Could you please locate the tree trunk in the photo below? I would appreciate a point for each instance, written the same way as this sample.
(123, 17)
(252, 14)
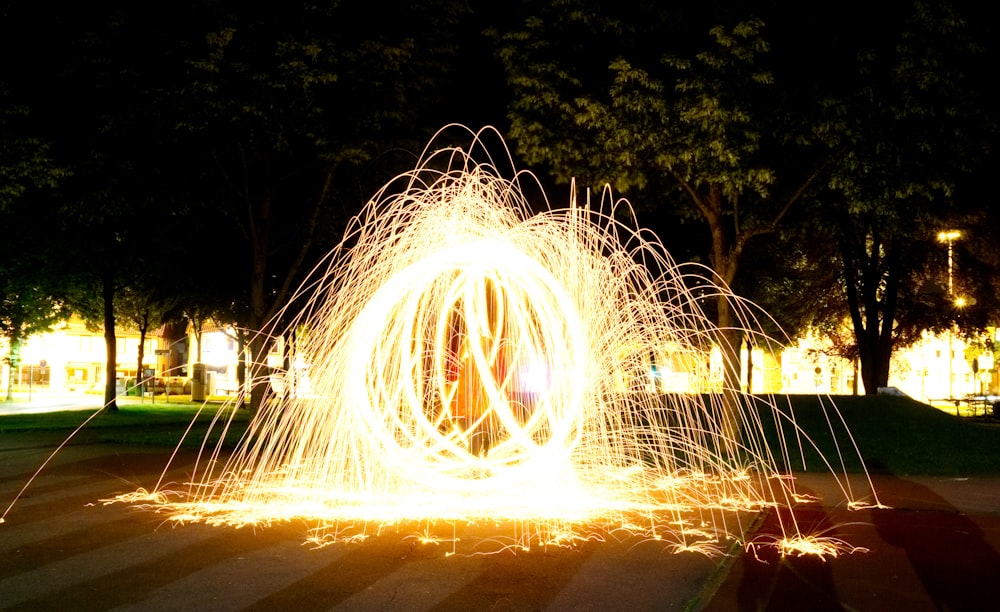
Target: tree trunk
(875, 368)
(12, 362)
(258, 371)
(260, 240)
(291, 381)
(871, 298)
(110, 342)
(264, 305)
(197, 373)
(730, 339)
(725, 261)
(241, 367)
(10, 383)
(875, 350)
(139, 373)
(143, 327)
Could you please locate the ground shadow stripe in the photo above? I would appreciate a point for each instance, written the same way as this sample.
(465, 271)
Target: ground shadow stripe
(240, 580)
(517, 582)
(363, 565)
(100, 529)
(62, 575)
(164, 558)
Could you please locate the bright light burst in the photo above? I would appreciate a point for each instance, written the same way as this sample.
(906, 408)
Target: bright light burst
(477, 364)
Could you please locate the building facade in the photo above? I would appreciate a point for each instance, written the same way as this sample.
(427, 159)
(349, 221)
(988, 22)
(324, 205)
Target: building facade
(72, 358)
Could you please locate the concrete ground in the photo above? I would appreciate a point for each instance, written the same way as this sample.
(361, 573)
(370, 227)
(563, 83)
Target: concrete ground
(48, 401)
(60, 548)
(935, 549)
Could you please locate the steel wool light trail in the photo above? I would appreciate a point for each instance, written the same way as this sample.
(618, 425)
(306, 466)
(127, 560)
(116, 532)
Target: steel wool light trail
(474, 363)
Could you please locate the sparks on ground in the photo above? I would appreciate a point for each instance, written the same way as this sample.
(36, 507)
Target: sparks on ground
(477, 359)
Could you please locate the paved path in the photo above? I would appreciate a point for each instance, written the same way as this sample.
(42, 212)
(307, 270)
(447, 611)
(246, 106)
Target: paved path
(936, 549)
(50, 402)
(59, 550)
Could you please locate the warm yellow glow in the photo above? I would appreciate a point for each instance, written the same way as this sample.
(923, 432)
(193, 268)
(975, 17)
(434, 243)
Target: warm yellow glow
(817, 546)
(960, 302)
(949, 235)
(477, 366)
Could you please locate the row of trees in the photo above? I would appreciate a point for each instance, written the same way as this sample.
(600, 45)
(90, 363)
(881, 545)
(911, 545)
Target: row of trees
(206, 155)
(196, 162)
(848, 144)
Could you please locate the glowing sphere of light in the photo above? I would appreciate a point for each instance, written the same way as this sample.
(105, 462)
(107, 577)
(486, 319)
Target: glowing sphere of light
(472, 357)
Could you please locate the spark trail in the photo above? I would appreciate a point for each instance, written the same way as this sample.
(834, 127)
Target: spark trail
(476, 362)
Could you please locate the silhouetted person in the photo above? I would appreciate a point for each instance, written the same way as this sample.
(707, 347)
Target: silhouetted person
(946, 549)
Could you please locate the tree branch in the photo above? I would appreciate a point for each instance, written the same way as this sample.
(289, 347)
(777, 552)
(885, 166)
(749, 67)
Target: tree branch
(307, 243)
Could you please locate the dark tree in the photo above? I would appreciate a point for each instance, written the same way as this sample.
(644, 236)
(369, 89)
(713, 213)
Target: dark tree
(696, 124)
(909, 133)
(291, 116)
(231, 138)
(31, 299)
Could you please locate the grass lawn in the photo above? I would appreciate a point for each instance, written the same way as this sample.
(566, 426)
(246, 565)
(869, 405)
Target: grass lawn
(898, 435)
(894, 434)
(148, 423)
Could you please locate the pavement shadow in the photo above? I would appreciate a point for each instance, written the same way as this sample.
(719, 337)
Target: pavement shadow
(770, 581)
(959, 569)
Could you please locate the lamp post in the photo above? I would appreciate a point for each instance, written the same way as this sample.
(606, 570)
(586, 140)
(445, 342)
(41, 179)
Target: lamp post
(948, 237)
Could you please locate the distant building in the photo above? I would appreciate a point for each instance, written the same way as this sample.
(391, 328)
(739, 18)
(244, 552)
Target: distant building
(218, 350)
(936, 367)
(71, 358)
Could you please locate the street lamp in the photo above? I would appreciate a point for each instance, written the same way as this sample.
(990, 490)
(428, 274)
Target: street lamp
(950, 236)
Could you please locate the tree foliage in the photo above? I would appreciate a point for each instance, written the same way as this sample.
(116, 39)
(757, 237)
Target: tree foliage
(908, 134)
(25, 159)
(688, 123)
(217, 148)
(856, 136)
(231, 139)
(32, 299)
(279, 113)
